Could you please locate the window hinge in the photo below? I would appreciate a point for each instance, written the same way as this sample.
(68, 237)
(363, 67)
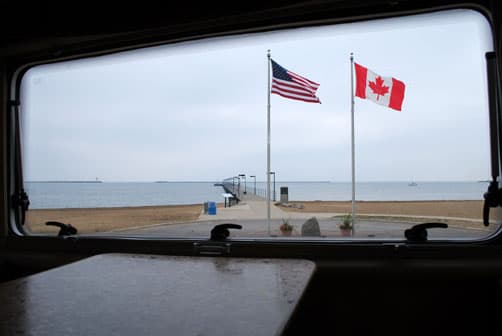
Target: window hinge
(21, 201)
(493, 199)
(14, 102)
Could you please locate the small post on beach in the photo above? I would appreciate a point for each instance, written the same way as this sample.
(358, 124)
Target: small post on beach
(268, 144)
(352, 142)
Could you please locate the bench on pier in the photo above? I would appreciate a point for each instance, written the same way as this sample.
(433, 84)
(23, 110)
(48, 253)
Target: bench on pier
(229, 197)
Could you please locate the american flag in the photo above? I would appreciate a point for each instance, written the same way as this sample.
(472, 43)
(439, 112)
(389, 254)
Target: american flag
(287, 84)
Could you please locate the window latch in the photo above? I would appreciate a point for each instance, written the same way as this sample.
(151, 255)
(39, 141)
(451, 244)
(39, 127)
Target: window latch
(418, 233)
(493, 199)
(64, 229)
(221, 232)
(21, 201)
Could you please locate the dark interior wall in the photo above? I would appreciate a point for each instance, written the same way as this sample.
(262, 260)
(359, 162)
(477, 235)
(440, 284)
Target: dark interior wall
(355, 297)
(377, 304)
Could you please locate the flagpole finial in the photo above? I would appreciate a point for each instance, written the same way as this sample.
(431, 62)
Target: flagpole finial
(268, 53)
(351, 56)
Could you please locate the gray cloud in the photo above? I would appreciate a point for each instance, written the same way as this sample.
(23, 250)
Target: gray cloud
(197, 111)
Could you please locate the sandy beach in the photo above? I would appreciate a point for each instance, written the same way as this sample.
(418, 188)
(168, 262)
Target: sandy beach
(459, 209)
(107, 219)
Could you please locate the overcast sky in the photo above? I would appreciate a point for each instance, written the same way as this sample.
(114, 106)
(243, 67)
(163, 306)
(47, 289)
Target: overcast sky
(197, 110)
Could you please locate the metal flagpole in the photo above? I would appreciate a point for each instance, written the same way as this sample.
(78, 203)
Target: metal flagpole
(353, 146)
(268, 145)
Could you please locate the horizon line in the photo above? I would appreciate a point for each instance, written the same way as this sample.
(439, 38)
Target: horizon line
(247, 181)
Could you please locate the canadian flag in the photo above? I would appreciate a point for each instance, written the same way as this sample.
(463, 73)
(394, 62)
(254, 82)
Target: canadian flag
(386, 91)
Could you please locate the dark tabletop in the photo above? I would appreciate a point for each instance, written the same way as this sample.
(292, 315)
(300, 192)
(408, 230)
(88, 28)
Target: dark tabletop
(121, 294)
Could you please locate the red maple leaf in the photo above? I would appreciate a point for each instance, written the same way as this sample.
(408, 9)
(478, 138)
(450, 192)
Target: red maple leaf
(378, 88)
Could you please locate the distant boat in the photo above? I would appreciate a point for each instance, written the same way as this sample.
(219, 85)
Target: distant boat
(412, 184)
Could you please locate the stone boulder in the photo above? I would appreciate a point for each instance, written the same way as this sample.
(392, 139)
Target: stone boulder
(311, 228)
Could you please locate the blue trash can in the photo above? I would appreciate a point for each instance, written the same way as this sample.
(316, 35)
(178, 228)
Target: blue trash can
(211, 208)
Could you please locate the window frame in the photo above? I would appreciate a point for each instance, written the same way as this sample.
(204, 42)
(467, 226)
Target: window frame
(137, 41)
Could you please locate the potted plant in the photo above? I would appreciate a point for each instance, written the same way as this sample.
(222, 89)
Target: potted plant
(346, 225)
(286, 228)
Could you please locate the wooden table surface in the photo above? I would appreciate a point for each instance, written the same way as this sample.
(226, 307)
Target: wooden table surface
(127, 294)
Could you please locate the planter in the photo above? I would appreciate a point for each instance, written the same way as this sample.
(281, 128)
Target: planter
(346, 232)
(286, 233)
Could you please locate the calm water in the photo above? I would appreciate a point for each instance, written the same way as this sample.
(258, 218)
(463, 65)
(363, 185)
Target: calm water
(90, 195)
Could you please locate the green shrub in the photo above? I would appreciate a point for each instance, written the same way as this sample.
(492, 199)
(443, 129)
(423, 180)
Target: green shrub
(346, 223)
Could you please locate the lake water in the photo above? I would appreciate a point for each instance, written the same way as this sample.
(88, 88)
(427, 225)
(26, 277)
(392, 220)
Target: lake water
(90, 195)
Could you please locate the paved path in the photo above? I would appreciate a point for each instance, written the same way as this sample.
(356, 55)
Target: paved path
(251, 213)
(246, 209)
(252, 217)
(329, 229)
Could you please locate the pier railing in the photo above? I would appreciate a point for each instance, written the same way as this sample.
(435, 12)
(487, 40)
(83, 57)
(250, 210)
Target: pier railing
(233, 185)
(260, 192)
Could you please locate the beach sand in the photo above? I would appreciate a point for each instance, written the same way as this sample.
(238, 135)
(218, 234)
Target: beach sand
(460, 209)
(107, 219)
(460, 214)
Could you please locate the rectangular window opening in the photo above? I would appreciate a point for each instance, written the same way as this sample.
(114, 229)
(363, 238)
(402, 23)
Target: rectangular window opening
(170, 141)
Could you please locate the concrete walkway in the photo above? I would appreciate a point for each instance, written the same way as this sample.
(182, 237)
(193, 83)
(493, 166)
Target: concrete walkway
(252, 207)
(246, 210)
(365, 229)
(251, 213)
(255, 208)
